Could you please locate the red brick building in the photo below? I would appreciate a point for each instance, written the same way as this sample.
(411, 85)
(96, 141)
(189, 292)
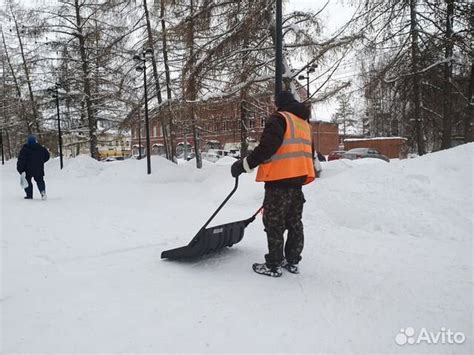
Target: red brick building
(325, 136)
(219, 125)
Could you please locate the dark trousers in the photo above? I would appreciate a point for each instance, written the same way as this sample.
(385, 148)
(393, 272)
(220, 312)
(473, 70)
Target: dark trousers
(282, 210)
(39, 182)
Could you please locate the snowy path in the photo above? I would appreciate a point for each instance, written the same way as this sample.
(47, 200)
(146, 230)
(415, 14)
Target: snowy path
(387, 246)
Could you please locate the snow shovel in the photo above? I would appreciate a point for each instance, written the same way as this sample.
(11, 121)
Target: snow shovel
(209, 240)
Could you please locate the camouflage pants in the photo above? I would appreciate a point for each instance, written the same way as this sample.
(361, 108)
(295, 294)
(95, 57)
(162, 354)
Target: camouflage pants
(283, 209)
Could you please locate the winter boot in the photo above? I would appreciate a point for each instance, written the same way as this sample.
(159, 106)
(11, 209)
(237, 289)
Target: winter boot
(43, 195)
(263, 269)
(293, 268)
(28, 197)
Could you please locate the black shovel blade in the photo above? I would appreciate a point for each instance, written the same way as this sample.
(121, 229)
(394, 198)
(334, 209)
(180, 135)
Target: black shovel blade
(209, 240)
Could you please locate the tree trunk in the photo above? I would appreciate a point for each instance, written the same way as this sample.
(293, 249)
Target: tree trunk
(4, 107)
(243, 105)
(243, 124)
(96, 84)
(447, 111)
(17, 86)
(65, 85)
(34, 109)
(191, 90)
(92, 122)
(469, 113)
(9, 146)
(151, 45)
(168, 81)
(416, 78)
(4, 97)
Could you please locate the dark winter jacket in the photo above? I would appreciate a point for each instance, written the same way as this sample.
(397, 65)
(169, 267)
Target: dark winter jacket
(272, 138)
(31, 159)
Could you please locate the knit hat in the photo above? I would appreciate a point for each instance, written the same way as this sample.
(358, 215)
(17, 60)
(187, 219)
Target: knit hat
(31, 139)
(284, 98)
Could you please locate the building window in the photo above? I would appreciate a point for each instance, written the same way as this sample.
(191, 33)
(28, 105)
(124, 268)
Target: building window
(161, 131)
(154, 131)
(251, 123)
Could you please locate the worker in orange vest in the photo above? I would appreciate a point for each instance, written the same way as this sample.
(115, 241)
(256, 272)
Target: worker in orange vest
(285, 163)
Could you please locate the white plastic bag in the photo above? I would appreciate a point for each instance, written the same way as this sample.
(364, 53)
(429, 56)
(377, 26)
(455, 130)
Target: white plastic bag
(23, 182)
(318, 166)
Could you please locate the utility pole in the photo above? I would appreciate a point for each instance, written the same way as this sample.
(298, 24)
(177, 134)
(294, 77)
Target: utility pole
(1, 143)
(142, 59)
(279, 48)
(139, 136)
(60, 136)
(147, 124)
(54, 91)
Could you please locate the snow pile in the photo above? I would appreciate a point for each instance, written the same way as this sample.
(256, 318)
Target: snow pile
(388, 246)
(226, 161)
(409, 196)
(81, 166)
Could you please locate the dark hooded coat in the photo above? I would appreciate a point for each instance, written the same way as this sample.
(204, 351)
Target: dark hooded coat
(31, 160)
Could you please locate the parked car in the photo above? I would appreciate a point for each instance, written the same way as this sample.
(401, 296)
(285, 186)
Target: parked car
(214, 155)
(190, 156)
(335, 155)
(113, 158)
(220, 152)
(234, 153)
(321, 157)
(360, 153)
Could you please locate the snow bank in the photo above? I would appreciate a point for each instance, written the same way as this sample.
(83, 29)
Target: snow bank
(80, 166)
(226, 161)
(387, 246)
(407, 196)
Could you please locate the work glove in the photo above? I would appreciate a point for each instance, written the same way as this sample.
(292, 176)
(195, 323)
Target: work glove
(237, 168)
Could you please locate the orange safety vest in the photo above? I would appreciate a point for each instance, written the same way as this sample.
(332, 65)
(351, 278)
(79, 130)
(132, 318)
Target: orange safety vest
(294, 158)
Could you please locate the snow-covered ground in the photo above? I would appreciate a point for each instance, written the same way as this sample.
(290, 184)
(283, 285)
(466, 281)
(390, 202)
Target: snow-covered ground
(388, 246)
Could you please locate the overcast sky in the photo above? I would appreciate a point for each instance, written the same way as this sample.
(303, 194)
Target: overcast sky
(336, 14)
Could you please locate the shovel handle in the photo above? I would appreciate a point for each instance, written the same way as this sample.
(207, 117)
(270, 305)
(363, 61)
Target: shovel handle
(223, 203)
(251, 219)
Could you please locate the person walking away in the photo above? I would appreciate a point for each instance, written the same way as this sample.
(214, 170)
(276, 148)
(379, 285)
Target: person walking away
(284, 158)
(31, 162)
